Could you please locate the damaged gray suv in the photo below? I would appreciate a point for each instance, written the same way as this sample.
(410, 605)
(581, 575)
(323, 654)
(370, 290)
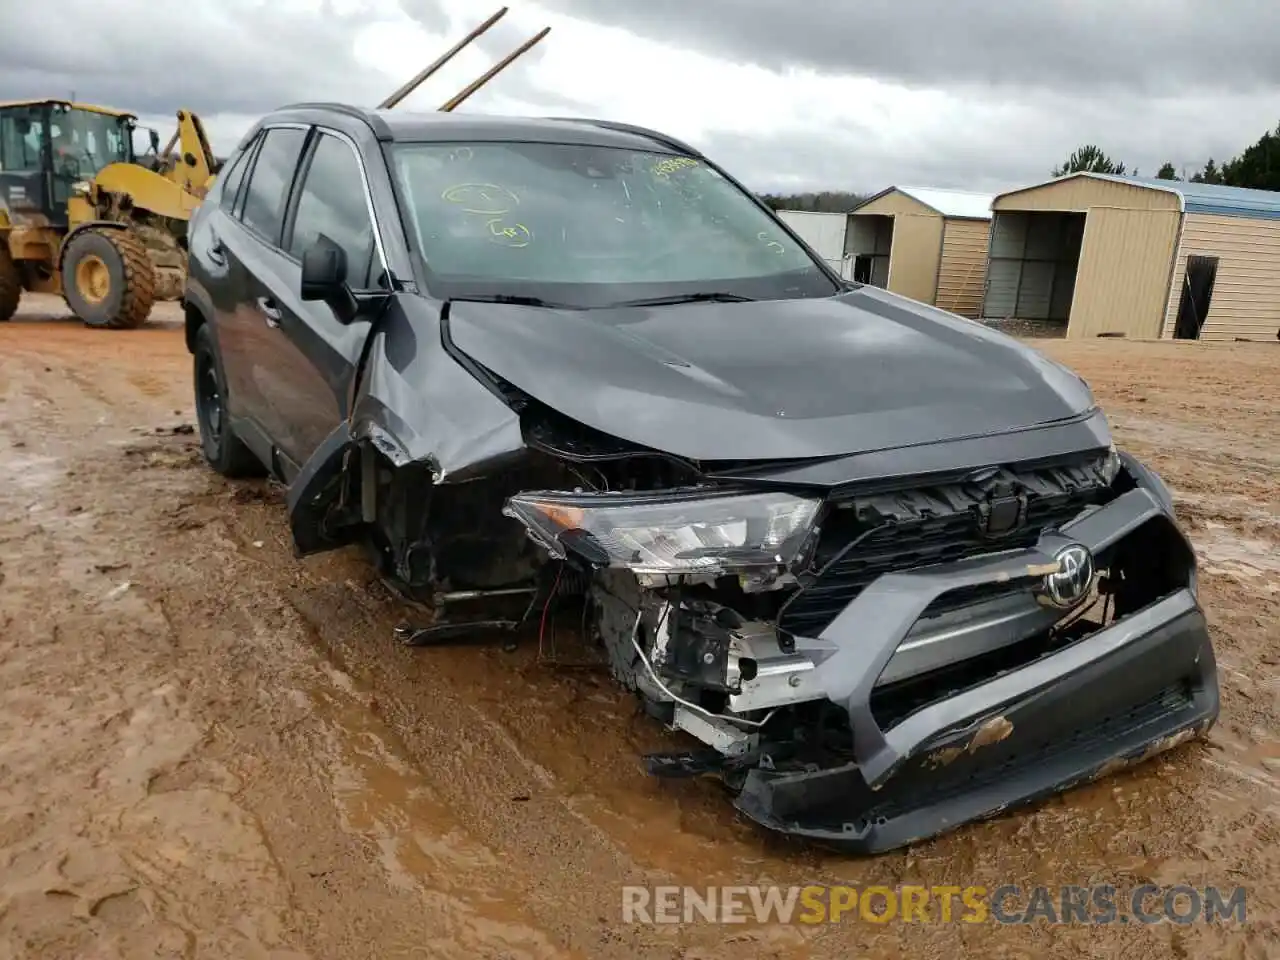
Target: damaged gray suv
(883, 564)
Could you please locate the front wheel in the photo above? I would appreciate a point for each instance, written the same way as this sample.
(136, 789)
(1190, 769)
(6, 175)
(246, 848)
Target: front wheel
(107, 278)
(223, 450)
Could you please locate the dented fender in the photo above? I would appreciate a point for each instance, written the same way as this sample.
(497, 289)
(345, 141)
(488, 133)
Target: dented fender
(416, 403)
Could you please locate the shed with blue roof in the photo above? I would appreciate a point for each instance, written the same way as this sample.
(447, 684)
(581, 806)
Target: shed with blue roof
(1125, 256)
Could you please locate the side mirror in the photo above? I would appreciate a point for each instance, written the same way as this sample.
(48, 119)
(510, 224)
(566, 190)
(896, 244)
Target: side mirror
(324, 277)
(155, 141)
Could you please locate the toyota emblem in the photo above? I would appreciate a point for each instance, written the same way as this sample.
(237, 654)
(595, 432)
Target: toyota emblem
(1073, 579)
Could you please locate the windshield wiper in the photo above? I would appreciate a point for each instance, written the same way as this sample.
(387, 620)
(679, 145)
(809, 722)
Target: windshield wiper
(518, 299)
(712, 296)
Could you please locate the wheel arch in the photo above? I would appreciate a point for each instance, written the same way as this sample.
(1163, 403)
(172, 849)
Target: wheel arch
(193, 318)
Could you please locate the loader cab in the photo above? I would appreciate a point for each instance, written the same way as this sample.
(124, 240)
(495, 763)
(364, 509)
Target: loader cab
(46, 147)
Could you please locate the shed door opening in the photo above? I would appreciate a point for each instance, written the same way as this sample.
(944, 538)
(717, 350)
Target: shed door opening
(1197, 291)
(1032, 271)
(870, 242)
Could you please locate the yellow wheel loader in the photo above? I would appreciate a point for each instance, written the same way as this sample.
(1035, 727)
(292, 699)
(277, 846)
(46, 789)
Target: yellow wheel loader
(83, 214)
(86, 215)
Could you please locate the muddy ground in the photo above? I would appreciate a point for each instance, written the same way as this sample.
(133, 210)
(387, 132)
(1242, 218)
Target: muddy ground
(211, 749)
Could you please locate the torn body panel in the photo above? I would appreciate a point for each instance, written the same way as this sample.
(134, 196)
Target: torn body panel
(909, 672)
(417, 420)
(416, 403)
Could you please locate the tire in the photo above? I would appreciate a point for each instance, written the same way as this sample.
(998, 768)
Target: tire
(223, 450)
(10, 284)
(107, 278)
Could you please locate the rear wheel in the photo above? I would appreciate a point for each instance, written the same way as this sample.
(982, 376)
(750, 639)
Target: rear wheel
(107, 278)
(223, 450)
(10, 285)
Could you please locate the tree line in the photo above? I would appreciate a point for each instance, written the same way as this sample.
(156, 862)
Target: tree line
(1258, 167)
(824, 201)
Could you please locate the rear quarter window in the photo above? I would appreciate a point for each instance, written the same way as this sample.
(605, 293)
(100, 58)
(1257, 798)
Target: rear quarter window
(233, 175)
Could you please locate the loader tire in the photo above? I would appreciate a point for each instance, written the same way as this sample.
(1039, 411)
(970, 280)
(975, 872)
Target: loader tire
(10, 286)
(107, 278)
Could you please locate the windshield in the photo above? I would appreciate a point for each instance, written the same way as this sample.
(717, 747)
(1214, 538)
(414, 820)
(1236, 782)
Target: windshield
(87, 141)
(592, 226)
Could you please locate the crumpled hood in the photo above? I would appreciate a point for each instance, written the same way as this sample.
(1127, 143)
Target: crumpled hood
(864, 371)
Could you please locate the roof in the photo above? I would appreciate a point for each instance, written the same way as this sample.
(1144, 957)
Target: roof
(91, 107)
(1211, 198)
(443, 127)
(961, 204)
(1214, 197)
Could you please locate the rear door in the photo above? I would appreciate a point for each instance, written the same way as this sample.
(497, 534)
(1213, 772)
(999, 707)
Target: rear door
(311, 356)
(249, 241)
(214, 278)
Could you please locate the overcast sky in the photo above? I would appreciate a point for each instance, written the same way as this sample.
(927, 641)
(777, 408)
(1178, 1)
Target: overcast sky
(787, 94)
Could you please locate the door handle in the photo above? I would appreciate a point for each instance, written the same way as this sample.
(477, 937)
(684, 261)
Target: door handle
(269, 310)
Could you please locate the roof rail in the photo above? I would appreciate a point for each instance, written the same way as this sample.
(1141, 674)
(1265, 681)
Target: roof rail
(371, 119)
(632, 128)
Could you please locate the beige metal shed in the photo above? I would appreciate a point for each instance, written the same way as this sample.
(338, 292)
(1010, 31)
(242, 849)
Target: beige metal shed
(1121, 256)
(930, 245)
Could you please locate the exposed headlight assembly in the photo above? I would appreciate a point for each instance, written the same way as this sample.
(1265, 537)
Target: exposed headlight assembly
(672, 533)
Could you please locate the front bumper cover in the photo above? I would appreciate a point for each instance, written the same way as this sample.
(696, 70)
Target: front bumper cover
(1115, 697)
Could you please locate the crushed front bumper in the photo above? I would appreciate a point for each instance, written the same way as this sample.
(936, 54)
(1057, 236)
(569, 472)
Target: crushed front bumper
(1138, 686)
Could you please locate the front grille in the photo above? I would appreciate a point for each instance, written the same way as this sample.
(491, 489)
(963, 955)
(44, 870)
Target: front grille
(863, 540)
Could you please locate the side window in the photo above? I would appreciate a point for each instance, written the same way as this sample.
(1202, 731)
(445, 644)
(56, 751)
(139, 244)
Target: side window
(233, 175)
(332, 202)
(21, 137)
(269, 182)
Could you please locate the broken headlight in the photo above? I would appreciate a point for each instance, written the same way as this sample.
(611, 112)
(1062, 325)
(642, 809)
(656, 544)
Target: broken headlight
(672, 533)
(1111, 465)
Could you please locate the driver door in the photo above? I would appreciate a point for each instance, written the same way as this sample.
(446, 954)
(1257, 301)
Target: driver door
(311, 355)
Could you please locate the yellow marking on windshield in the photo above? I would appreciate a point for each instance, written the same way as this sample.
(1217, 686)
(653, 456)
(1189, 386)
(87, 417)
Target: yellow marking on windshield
(515, 235)
(774, 245)
(664, 168)
(487, 198)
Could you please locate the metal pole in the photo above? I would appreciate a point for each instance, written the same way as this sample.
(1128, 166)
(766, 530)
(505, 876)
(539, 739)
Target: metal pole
(492, 72)
(413, 84)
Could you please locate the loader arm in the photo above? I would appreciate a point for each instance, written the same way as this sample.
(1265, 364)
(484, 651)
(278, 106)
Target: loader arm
(194, 166)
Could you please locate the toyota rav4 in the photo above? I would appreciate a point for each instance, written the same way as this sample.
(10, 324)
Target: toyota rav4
(884, 565)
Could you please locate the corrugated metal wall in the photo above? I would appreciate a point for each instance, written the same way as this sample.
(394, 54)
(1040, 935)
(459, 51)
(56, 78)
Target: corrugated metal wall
(917, 244)
(1032, 267)
(963, 271)
(1246, 292)
(917, 248)
(1123, 281)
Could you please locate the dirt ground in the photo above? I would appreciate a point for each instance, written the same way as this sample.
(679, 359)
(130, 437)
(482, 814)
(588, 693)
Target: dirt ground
(211, 749)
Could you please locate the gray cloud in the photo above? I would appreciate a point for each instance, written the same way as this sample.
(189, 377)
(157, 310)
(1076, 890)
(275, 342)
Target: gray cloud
(1149, 82)
(152, 58)
(1078, 45)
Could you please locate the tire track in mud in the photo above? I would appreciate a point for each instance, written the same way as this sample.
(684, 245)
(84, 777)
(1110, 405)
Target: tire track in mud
(231, 756)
